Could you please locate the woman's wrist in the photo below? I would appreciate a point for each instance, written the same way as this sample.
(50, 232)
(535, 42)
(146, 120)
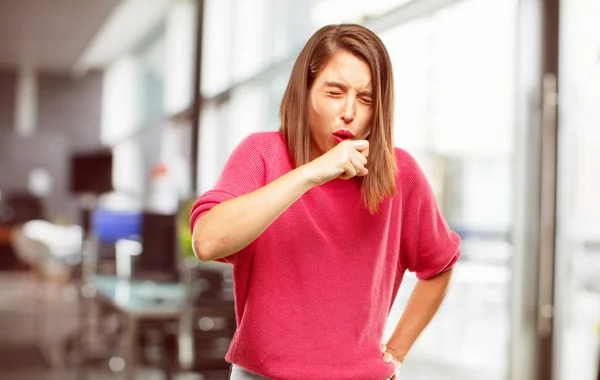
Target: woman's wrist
(308, 175)
(397, 355)
(394, 354)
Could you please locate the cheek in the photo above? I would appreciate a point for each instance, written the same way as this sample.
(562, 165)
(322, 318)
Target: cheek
(326, 109)
(366, 118)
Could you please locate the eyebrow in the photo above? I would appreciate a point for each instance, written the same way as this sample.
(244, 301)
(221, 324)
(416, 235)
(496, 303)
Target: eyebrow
(343, 86)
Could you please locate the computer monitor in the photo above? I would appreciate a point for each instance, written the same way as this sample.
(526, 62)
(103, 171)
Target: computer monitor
(91, 172)
(159, 252)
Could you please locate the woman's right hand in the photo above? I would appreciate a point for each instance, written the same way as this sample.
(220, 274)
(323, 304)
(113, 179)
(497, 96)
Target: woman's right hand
(348, 159)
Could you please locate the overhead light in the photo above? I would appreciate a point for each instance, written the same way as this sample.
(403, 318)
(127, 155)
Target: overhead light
(26, 106)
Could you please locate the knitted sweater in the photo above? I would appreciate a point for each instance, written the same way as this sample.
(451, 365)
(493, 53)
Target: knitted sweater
(314, 290)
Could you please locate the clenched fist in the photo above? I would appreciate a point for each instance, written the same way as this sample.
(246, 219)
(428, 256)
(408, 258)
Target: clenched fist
(348, 159)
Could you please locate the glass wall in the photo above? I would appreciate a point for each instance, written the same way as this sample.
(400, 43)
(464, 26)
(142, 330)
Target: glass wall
(248, 52)
(454, 74)
(146, 96)
(577, 284)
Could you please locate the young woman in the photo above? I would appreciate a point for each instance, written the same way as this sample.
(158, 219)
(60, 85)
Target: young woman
(321, 220)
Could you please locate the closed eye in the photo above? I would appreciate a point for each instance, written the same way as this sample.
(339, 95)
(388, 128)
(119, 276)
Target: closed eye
(334, 93)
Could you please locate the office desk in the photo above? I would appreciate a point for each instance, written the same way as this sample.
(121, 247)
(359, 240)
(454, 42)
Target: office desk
(138, 300)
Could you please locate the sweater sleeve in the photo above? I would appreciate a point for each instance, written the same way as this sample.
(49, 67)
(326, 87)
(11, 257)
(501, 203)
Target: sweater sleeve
(244, 172)
(428, 245)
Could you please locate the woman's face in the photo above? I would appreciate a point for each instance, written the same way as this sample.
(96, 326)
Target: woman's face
(339, 103)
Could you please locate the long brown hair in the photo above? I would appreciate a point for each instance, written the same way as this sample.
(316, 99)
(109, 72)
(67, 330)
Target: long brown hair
(364, 44)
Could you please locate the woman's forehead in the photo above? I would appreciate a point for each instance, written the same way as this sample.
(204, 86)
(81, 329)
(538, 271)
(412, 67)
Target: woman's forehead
(345, 68)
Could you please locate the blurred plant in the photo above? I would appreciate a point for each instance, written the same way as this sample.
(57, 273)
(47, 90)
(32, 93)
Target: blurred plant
(184, 234)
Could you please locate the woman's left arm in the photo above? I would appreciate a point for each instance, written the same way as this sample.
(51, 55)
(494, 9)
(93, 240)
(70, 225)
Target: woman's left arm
(428, 248)
(424, 302)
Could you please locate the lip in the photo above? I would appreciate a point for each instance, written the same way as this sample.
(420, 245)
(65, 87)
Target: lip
(339, 139)
(344, 134)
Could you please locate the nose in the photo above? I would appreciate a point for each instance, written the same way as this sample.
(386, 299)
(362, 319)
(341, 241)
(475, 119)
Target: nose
(348, 112)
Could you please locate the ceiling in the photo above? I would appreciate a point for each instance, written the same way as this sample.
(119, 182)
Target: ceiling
(49, 34)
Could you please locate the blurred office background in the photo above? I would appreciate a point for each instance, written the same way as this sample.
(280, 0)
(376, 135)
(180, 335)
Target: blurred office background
(115, 114)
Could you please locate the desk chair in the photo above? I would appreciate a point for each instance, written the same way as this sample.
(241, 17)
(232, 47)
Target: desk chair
(54, 254)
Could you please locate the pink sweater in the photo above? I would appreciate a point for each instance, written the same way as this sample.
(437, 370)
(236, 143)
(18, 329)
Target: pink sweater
(313, 292)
